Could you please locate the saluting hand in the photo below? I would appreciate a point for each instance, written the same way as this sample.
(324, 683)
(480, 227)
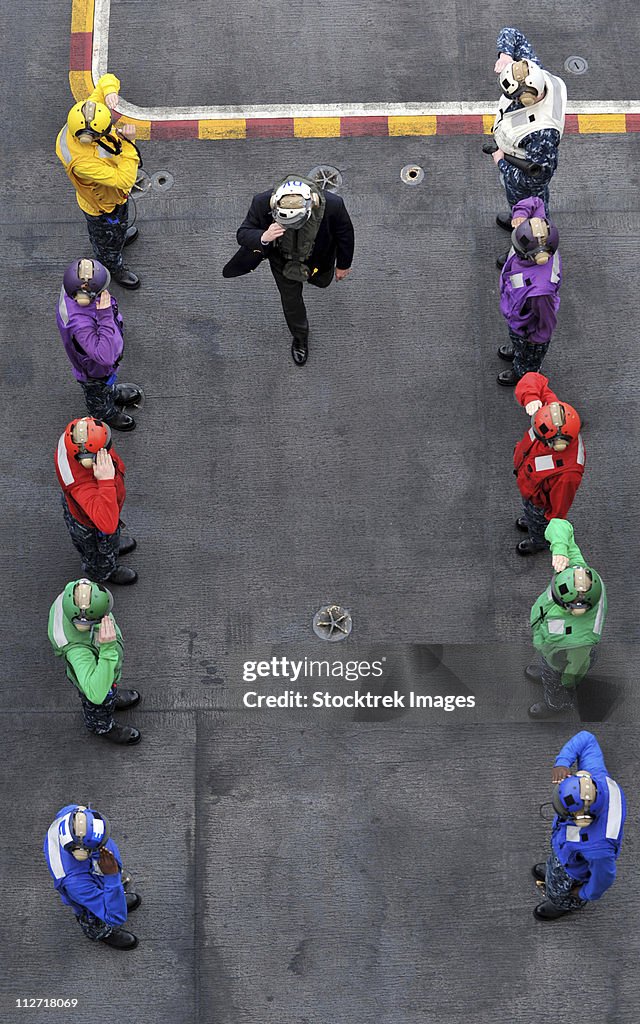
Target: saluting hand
(107, 631)
(103, 467)
(559, 773)
(532, 407)
(501, 63)
(107, 862)
(111, 100)
(104, 300)
(273, 231)
(559, 562)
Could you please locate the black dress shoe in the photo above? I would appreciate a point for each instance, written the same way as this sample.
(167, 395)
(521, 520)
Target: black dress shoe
(126, 279)
(123, 576)
(539, 871)
(508, 378)
(121, 939)
(506, 352)
(133, 902)
(548, 911)
(504, 222)
(501, 260)
(131, 235)
(127, 544)
(127, 394)
(527, 547)
(299, 351)
(121, 421)
(521, 524)
(533, 673)
(126, 699)
(540, 710)
(124, 734)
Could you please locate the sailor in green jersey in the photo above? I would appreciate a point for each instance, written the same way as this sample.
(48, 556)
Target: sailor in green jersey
(566, 623)
(82, 630)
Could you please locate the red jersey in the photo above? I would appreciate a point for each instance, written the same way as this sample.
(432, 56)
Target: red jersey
(548, 479)
(94, 503)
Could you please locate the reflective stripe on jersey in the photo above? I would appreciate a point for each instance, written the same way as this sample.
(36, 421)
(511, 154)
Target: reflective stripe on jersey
(597, 625)
(555, 268)
(556, 626)
(63, 462)
(64, 145)
(53, 849)
(58, 628)
(614, 816)
(580, 454)
(543, 462)
(62, 307)
(517, 280)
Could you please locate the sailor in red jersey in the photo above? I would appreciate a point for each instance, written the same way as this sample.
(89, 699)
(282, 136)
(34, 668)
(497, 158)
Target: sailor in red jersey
(548, 463)
(91, 475)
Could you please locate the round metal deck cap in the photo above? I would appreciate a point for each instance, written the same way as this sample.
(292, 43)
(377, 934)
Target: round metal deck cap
(326, 177)
(412, 174)
(332, 623)
(576, 65)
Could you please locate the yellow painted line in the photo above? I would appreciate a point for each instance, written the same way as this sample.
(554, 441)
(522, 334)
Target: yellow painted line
(82, 16)
(487, 123)
(602, 123)
(221, 129)
(81, 84)
(419, 125)
(316, 127)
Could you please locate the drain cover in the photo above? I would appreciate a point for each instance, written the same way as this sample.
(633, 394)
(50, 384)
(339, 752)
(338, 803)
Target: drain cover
(332, 623)
(576, 65)
(412, 174)
(141, 185)
(327, 177)
(162, 181)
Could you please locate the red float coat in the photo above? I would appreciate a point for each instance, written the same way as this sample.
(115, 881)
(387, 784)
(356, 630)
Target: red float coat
(94, 503)
(548, 479)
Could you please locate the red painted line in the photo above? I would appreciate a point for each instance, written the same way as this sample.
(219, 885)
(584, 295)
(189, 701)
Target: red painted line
(633, 122)
(459, 124)
(352, 126)
(571, 124)
(269, 128)
(174, 129)
(80, 49)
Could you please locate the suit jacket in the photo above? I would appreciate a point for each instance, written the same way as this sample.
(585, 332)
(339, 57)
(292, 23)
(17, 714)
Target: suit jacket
(334, 242)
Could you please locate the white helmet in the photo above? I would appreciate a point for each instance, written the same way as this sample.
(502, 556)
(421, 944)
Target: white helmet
(523, 80)
(292, 202)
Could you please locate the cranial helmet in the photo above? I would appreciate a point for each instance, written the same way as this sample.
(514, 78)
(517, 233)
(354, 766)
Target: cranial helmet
(292, 203)
(573, 797)
(556, 425)
(522, 80)
(85, 603)
(84, 280)
(89, 121)
(535, 239)
(577, 589)
(83, 439)
(83, 831)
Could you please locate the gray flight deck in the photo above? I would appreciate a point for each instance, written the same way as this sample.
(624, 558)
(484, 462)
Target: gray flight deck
(303, 866)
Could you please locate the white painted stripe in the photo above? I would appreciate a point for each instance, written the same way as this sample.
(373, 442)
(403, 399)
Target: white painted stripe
(614, 817)
(59, 634)
(597, 626)
(580, 455)
(53, 849)
(63, 462)
(100, 62)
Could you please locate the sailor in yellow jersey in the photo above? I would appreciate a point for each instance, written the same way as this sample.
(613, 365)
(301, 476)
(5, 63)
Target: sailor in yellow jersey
(102, 163)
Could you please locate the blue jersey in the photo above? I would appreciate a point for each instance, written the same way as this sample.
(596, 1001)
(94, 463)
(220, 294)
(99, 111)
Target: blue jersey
(589, 854)
(80, 883)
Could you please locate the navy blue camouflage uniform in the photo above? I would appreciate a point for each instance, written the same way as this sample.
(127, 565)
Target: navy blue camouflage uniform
(107, 236)
(541, 147)
(99, 551)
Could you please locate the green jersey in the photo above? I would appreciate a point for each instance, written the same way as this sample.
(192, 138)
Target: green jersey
(91, 666)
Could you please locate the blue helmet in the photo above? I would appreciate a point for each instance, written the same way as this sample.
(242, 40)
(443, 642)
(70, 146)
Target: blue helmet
(83, 831)
(573, 797)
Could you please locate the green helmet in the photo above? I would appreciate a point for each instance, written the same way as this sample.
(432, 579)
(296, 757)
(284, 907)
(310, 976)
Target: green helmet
(577, 588)
(84, 603)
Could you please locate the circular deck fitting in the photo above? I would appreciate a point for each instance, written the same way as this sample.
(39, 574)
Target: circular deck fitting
(141, 185)
(162, 181)
(332, 623)
(576, 65)
(326, 177)
(412, 174)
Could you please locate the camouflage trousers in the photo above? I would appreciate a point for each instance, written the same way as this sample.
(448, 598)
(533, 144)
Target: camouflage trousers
(99, 397)
(528, 355)
(99, 551)
(92, 926)
(557, 696)
(537, 523)
(515, 193)
(106, 234)
(98, 718)
(558, 885)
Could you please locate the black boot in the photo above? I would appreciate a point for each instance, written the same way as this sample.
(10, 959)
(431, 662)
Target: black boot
(521, 524)
(123, 576)
(539, 871)
(126, 279)
(133, 902)
(131, 235)
(127, 544)
(540, 711)
(533, 673)
(121, 939)
(527, 547)
(124, 734)
(501, 260)
(506, 352)
(504, 222)
(548, 911)
(126, 699)
(121, 421)
(127, 394)
(508, 378)
(299, 351)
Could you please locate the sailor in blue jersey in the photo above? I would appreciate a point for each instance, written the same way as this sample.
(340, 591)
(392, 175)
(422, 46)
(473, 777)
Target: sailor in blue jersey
(86, 868)
(587, 830)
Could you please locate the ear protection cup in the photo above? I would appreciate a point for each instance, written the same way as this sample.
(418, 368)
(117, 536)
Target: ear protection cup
(83, 298)
(528, 97)
(272, 201)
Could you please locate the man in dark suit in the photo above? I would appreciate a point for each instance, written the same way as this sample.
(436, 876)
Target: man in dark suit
(307, 235)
